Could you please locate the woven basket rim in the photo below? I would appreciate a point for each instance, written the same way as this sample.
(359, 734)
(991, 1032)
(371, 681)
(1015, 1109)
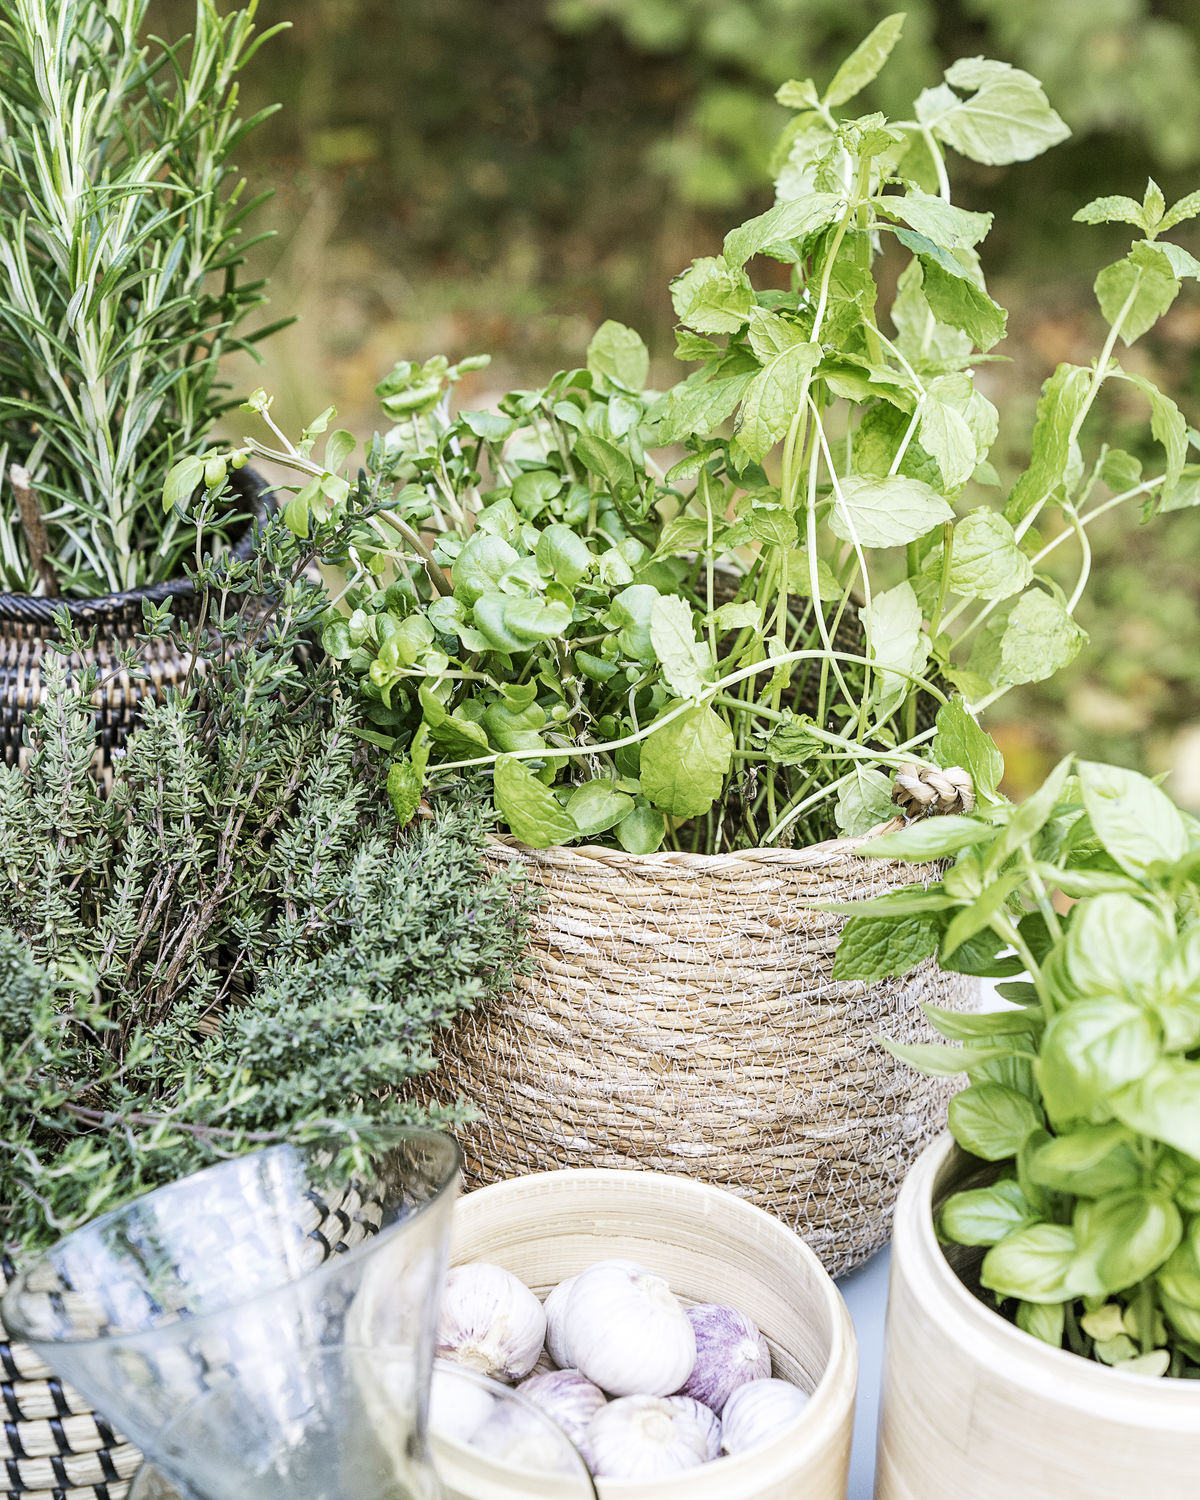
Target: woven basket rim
(40, 609)
(811, 856)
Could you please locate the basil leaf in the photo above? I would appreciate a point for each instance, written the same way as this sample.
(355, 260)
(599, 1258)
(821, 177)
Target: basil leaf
(1124, 1237)
(1087, 1163)
(1136, 822)
(959, 741)
(932, 838)
(992, 1121)
(888, 512)
(1089, 1051)
(1036, 1263)
(530, 809)
(684, 764)
(984, 1216)
(943, 1061)
(404, 784)
(1164, 1104)
(1045, 1321)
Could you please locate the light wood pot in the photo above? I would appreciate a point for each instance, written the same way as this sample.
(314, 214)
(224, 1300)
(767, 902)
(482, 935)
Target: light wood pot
(974, 1407)
(710, 1247)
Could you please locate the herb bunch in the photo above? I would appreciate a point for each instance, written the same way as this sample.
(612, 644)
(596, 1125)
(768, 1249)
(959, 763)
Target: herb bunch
(732, 647)
(237, 943)
(121, 281)
(1085, 1094)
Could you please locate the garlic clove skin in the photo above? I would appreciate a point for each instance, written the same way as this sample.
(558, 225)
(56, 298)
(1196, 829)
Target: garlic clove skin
(705, 1419)
(491, 1322)
(643, 1437)
(729, 1352)
(567, 1397)
(627, 1331)
(555, 1308)
(758, 1411)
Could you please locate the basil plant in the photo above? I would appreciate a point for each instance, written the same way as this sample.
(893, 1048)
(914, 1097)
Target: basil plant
(1084, 1094)
(721, 615)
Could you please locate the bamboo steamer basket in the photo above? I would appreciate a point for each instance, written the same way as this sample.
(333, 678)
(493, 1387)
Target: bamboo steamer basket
(710, 1247)
(973, 1406)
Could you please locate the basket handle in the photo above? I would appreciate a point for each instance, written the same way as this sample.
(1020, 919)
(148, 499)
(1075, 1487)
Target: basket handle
(927, 792)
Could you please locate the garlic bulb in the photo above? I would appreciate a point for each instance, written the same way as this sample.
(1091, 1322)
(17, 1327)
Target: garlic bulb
(706, 1419)
(627, 1331)
(457, 1407)
(490, 1321)
(729, 1352)
(566, 1396)
(521, 1439)
(643, 1437)
(757, 1411)
(555, 1308)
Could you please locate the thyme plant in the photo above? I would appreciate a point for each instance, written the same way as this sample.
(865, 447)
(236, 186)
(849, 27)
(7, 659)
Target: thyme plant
(121, 280)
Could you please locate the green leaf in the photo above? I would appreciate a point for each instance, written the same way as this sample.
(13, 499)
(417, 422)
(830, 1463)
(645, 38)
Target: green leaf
(1039, 639)
(1165, 1104)
(630, 615)
(1045, 1321)
(1136, 822)
(798, 93)
(984, 1216)
(992, 1121)
(530, 809)
(1116, 945)
(930, 839)
(1089, 1051)
(1124, 1237)
(596, 806)
(182, 482)
(889, 512)
(607, 461)
(685, 762)
(1183, 494)
(952, 294)
(713, 296)
(618, 355)
(944, 1061)
(688, 409)
(975, 1025)
(512, 624)
(936, 219)
(1088, 1162)
(1141, 288)
(1054, 462)
(339, 449)
(1187, 208)
(735, 616)
(1007, 118)
(1036, 1263)
(945, 435)
(479, 567)
(296, 512)
(563, 554)
(793, 219)
(1115, 209)
(404, 783)
(864, 62)
(985, 559)
(641, 831)
(1167, 423)
(774, 397)
(960, 741)
(892, 622)
(686, 664)
(863, 803)
(873, 948)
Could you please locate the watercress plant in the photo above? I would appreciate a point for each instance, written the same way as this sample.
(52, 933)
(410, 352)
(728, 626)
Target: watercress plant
(719, 615)
(1086, 1094)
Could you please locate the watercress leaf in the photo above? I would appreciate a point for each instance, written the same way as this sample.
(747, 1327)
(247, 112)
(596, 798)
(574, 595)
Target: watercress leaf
(1089, 1051)
(296, 513)
(481, 565)
(515, 624)
(685, 762)
(404, 783)
(864, 802)
(1165, 1104)
(489, 425)
(563, 554)
(936, 219)
(944, 1061)
(774, 397)
(618, 355)
(641, 831)
(896, 643)
(945, 435)
(932, 838)
(1135, 821)
(889, 512)
(1036, 1263)
(985, 559)
(959, 741)
(1045, 1321)
(530, 809)
(1138, 290)
(685, 663)
(1088, 1162)
(738, 616)
(532, 489)
(991, 1121)
(793, 219)
(1054, 461)
(714, 295)
(1124, 1237)
(1007, 118)
(864, 62)
(630, 614)
(984, 1216)
(1039, 639)
(607, 461)
(688, 408)
(596, 806)
(873, 948)
(1113, 209)
(1167, 423)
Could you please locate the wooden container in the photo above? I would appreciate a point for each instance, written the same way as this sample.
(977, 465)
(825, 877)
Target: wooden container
(974, 1407)
(710, 1247)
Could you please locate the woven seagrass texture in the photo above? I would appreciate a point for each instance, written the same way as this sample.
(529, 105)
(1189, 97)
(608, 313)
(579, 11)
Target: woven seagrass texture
(27, 628)
(681, 1017)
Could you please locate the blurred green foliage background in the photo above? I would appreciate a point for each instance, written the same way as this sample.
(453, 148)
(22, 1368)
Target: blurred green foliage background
(460, 176)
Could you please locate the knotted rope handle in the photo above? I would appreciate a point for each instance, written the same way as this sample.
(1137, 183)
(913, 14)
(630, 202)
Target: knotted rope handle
(921, 792)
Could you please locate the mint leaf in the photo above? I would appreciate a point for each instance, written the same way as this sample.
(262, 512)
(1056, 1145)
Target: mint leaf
(798, 93)
(959, 741)
(530, 809)
(773, 398)
(1138, 289)
(1167, 423)
(1115, 209)
(945, 435)
(864, 62)
(873, 948)
(713, 296)
(1008, 117)
(936, 219)
(1040, 638)
(701, 408)
(1186, 208)
(888, 512)
(618, 355)
(985, 560)
(684, 764)
(794, 219)
(955, 299)
(1054, 461)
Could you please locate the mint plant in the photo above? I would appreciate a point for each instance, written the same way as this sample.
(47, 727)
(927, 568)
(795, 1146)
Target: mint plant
(721, 615)
(1085, 1094)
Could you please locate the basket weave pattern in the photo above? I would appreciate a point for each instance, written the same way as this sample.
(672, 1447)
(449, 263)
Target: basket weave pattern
(680, 1017)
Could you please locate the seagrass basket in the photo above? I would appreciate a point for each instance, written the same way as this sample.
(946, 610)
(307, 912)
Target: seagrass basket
(27, 628)
(679, 1016)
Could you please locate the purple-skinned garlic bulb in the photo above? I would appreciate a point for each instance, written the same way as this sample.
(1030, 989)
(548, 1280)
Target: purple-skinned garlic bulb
(567, 1397)
(706, 1420)
(729, 1352)
(490, 1321)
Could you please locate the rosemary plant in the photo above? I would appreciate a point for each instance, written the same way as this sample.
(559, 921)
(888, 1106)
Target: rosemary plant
(121, 281)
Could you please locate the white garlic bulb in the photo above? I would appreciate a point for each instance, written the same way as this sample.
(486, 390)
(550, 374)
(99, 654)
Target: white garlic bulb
(490, 1321)
(643, 1437)
(627, 1331)
(729, 1352)
(705, 1418)
(566, 1396)
(757, 1411)
(458, 1408)
(555, 1308)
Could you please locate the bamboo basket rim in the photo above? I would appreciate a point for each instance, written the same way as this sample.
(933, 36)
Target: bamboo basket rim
(971, 1322)
(841, 1364)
